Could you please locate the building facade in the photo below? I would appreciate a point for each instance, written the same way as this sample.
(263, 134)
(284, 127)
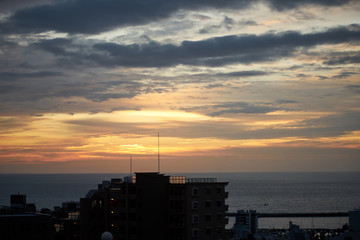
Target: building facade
(155, 206)
(246, 224)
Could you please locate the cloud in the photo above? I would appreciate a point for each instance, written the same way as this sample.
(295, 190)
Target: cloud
(242, 107)
(335, 125)
(243, 74)
(281, 5)
(327, 126)
(354, 88)
(248, 23)
(218, 51)
(284, 101)
(55, 46)
(226, 23)
(93, 16)
(344, 74)
(343, 58)
(6, 5)
(17, 75)
(216, 85)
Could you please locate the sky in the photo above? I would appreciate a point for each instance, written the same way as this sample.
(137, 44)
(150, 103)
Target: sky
(230, 86)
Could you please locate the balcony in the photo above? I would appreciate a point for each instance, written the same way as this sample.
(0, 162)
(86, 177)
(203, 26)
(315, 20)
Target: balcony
(201, 180)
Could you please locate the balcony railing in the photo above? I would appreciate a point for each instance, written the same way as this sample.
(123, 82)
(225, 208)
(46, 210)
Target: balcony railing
(183, 180)
(201, 180)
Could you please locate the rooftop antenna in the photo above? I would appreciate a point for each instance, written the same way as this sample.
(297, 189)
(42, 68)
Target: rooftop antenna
(131, 166)
(158, 152)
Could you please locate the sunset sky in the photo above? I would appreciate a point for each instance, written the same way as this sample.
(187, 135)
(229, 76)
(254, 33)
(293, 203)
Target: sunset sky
(230, 85)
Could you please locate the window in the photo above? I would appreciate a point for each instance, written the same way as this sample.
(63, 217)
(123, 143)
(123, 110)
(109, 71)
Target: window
(208, 217)
(208, 231)
(218, 190)
(208, 190)
(218, 216)
(195, 205)
(208, 204)
(195, 191)
(218, 203)
(195, 219)
(195, 232)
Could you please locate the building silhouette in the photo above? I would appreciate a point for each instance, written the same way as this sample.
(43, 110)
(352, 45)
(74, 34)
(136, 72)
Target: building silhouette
(246, 224)
(155, 206)
(21, 221)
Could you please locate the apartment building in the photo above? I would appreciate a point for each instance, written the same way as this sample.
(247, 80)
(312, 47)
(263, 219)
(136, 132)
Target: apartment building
(155, 206)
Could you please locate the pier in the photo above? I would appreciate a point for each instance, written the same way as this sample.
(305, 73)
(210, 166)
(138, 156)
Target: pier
(293, 215)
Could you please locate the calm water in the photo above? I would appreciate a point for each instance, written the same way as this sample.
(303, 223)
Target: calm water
(263, 192)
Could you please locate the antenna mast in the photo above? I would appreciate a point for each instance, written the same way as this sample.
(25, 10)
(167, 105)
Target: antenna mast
(131, 166)
(158, 152)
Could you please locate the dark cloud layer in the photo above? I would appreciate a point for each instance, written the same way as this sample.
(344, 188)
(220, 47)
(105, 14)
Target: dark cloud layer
(19, 75)
(216, 51)
(285, 4)
(344, 58)
(7, 5)
(243, 74)
(237, 107)
(93, 16)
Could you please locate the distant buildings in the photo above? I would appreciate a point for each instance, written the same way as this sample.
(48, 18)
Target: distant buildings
(354, 220)
(354, 226)
(155, 206)
(18, 203)
(246, 224)
(21, 221)
(67, 221)
(295, 233)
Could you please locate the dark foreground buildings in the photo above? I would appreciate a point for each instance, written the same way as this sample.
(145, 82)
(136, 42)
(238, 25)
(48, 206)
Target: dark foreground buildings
(155, 206)
(21, 221)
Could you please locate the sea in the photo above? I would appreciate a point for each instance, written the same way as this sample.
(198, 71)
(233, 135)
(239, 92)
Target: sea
(265, 192)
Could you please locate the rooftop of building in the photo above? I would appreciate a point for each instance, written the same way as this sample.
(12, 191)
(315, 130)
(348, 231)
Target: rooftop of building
(172, 179)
